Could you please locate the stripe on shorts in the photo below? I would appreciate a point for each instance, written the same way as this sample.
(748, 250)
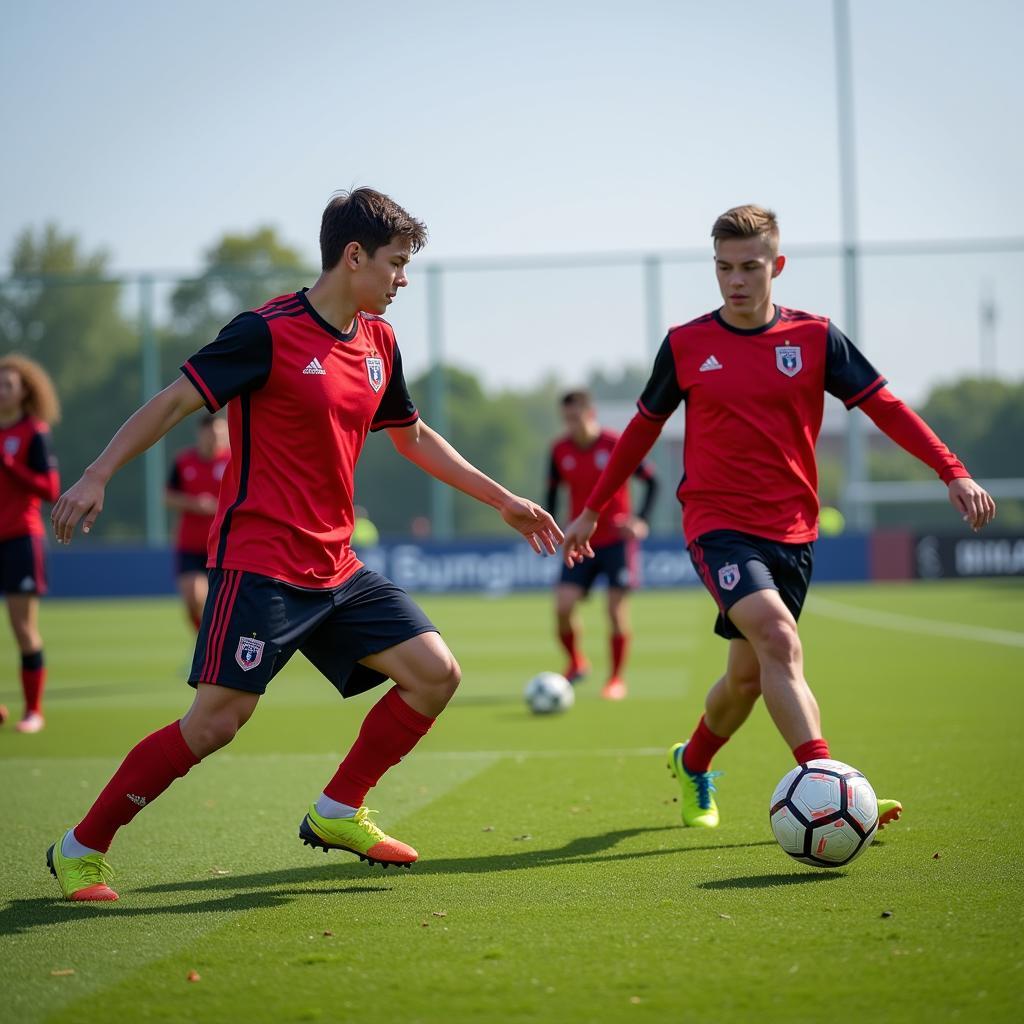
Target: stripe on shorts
(219, 624)
(705, 573)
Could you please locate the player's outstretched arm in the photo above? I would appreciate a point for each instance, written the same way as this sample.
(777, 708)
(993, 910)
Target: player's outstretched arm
(83, 501)
(972, 501)
(576, 543)
(434, 455)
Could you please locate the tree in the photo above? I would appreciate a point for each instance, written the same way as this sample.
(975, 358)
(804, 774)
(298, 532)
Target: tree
(60, 308)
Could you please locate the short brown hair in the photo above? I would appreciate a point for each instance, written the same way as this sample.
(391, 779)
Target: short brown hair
(368, 217)
(580, 397)
(41, 396)
(748, 221)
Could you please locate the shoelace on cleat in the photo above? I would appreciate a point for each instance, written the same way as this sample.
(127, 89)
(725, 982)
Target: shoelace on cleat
(94, 870)
(362, 818)
(704, 781)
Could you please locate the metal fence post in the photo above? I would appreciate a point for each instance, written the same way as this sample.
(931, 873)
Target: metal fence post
(156, 512)
(442, 513)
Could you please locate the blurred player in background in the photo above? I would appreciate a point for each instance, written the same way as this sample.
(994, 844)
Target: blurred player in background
(192, 490)
(305, 377)
(753, 376)
(577, 460)
(28, 477)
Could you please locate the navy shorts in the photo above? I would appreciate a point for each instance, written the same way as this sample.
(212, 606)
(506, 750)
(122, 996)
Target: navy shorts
(734, 564)
(189, 561)
(253, 624)
(23, 565)
(617, 562)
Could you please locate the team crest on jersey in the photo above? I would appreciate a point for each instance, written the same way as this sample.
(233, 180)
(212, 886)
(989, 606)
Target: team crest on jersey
(11, 445)
(788, 359)
(375, 371)
(249, 653)
(728, 576)
(601, 458)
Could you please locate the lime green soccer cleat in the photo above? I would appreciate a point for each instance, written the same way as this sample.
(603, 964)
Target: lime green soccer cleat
(698, 806)
(82, 879)
(358, 835)
(888, 812)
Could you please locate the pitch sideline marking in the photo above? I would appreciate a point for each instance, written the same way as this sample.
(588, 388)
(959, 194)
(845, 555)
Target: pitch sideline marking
(830, 609)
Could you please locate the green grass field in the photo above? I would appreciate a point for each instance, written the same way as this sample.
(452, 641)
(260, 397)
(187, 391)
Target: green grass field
(555, 882)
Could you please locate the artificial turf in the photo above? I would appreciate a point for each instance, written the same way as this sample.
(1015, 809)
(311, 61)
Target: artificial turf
(555, 882)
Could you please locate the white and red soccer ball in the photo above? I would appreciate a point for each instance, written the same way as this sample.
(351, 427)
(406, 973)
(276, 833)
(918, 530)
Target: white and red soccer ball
(824, 813)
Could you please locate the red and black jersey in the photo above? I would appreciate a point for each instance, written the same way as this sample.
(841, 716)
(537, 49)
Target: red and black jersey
(301, 397)
(195, 476)
(754, 403)
(579, 469)
(28, 477)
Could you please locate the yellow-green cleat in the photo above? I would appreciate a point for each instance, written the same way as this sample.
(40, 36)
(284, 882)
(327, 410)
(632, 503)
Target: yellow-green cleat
(888, 812)
(697, 805)
(358, 835)
(81, 879)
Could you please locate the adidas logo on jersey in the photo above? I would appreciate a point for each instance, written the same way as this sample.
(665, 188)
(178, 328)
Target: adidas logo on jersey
(711, 363)
(138, 800)
(314, 366)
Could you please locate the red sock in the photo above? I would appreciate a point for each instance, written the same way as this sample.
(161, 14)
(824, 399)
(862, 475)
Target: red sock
(150, 767)
(390, 730)
(703, 746)
(33, 679)
(568, 640)
(620, 647)
(810, 751)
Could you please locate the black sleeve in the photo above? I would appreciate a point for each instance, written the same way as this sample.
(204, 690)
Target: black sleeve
(40, 455)
(848, 375)
(174, 479)
(554, 479)
(662, 394)
(650, 494)
(396, 408)
(236, 361)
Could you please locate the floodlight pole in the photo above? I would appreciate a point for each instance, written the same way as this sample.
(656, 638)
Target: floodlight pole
(442, 517)
(654, 321)
(857, 512)
(156, 511)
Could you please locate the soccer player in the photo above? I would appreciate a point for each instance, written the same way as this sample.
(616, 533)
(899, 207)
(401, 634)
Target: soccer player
(305, 377)
(576, 461)
(192, 490)
(753, 376)
(28, 477)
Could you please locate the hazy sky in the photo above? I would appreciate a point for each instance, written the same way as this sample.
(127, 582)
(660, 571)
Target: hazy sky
(536, 127)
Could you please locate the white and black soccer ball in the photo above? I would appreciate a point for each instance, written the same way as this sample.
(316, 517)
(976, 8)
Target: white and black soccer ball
(824, 813)
(548, 692)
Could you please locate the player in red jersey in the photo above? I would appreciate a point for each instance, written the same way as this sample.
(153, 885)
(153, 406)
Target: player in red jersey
(192, 490)
(576, 461)
(304, 379)
(28, 477)
(753, 376)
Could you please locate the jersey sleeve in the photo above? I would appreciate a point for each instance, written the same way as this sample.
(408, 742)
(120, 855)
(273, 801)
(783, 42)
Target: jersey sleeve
(848, 375)
(554, 479)
(662, 394)
(174, 477)
(396, 408)
(40, 453)
(236, 361)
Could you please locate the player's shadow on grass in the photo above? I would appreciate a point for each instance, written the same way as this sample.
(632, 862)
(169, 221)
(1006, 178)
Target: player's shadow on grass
(593, 849)
(21, 916)
(769, 881)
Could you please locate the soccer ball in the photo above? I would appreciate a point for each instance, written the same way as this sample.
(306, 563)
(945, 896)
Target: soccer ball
(547, 692)
(824, 813)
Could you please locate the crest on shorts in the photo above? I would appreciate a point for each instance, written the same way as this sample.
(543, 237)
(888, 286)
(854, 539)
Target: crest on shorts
(788, 359)
(249, 653)
(729, 576)
(375, 371)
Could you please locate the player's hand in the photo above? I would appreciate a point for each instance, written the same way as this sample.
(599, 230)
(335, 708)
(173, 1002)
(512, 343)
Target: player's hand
(533, 523)
(81, 502)
(206, 504)
(972, 501)
(635, 528)
(576, 545)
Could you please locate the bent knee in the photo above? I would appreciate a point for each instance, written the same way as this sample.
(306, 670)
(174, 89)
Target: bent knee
(778, 640)
(746, 685)
(447, 676)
